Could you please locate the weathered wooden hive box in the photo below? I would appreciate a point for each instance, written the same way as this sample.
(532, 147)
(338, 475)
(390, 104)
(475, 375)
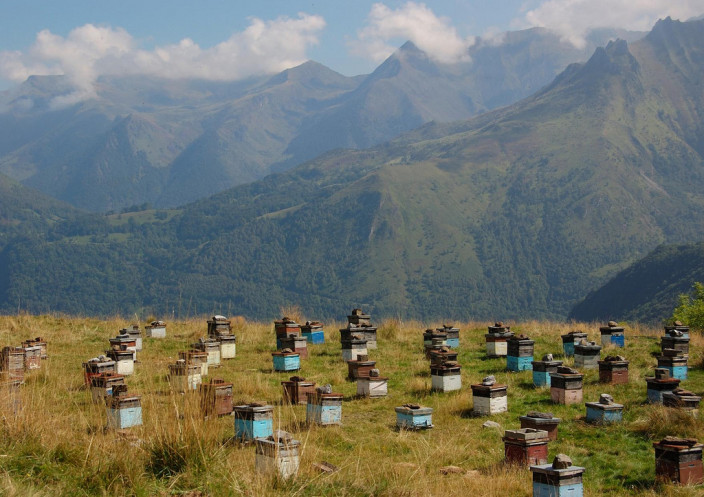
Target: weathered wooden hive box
(453, 336)
(569, 339)
(446, 377)
(210, 346)
(613, 370)
(679, 460)
(414, 417)
(228, 347)
(184, 377)
(296, 390)
(124, 410)
(285, 327)
(430, 335)
(10, 398)
(661, 383)
(216, 398)
(365, 332)
(519, 353)
(12, 362)
(496, 340)
(612, 335)
(124, 360)
(324, 408)
(679, 343)
(674, 362)
(101, 386)
(437, 344)
(373, 385)
(489, 399)
(605, 411)
(586, 355)
(682, 399)
(156, 329)
(542, 370)
(286, 360)
(253, 421)
(525, 446)
(135, 333)
(313, 332)
(96, 366)
(541, 421)
(196, 357)
(32, 357)
(352, 347)
(566, 386)
(219, 326)
(297, 343)
(39, 342)
(552, 481)
(277, 455)
(440, 356)
(124, 342)
(359, 367)
(358, 318)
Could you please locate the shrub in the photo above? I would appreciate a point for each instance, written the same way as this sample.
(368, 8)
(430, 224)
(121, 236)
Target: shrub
(691, 308)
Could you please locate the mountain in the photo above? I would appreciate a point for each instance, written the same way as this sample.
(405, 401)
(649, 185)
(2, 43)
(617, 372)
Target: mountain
(647, 290)
(171, 142)
(517, 213)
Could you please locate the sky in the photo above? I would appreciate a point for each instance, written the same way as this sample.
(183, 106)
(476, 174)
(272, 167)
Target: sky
(227, 40)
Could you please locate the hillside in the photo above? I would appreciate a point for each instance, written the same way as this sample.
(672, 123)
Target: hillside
(517, 213)
(647, 290)
(172, 142)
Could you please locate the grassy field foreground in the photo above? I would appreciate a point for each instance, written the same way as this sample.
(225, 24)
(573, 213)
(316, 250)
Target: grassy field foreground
(57, 444)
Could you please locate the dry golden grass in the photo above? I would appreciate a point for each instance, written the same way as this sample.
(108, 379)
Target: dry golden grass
(57, 444)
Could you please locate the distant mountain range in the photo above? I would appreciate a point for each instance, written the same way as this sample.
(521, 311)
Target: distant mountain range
(171, 142)
(648, 290)
(517, 213)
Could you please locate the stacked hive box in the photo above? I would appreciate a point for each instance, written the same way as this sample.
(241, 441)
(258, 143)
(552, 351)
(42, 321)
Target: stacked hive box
(123, 342)
(543, 369)
(526, 446)
(216, 398)
(277, 455)
(12, 363)
(184, 376)
(313, 332)
(196, 358)
(682, 399)
(96, 366)
(123, 410)
(296, 390)
(284, 328)
(586, 355)
(220, 330)
(446, 376)
(32, 357)
(359, 324)
(612, 335)
(675, 340)
(297, 343)
(679, 327)
(324, 407)
(211, 346)
(613, 370)
(359, 367)
(353, 346)
(102, 386)
(541, 421)
(372, 385)
(38, 342)
(570, 339)
(123, 359)
(661, 383)
(452, 334)
(496, 340)
(679, 460)
(674, 362)
(519, 353)
(135, 333)
(566, 386)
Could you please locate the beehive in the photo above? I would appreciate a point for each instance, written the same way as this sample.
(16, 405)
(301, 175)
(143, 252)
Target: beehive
(519, 353)
(586, 355)
(566, 386)
(39, 342)
(541, 421)
(414, 417)
(542, 370)
(296, 390)
(96, 366)
(496, 340)
(674, 362)
(453, 336)
(557, 480)
(525, 446)
(605, 411)
(218, 326)
(679, 343)
(197, 358)
(613, 370)
(677, 327)
(285, 327)
(32, 357)
(569, 339)
(124, 360)
(313, 332)
(489, 399)
(612, 335)
(297, 343)
(135, 333)
(253, 421)
(13, 362)
(682, 399)
(216, 398)
(324, 408)
(359, 367)
(446, 377)
(228, 347)
(352, 347)
(184, 377)
(210, 346)
(372, 385)
(679, 460)
(124, 342)
(277, 455)
(286, 360)
(123, 410)
(429, 335)
(156, 329)
(102, 385)
(661, 383)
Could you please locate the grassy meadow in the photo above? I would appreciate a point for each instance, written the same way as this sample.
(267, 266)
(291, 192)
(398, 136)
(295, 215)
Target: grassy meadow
(57, 443)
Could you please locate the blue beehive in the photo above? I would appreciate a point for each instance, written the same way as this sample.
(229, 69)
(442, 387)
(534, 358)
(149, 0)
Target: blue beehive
(519, 353)
(604, 411)
(253, 421)
(559, 479)
(660, 384)
(570, 339)
(675, 362)
(542, 370)
(284, 360)
(612, 335)
(124, 411)
(324, 408)
(453, 336)
(414, 417)
(313, 332)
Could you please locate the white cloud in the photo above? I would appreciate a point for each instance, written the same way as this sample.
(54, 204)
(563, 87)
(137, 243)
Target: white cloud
(573, 19)
(415, 22)
(90, 51)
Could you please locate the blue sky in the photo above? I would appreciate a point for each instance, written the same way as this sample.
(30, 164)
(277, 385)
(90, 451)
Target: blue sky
(231, 39)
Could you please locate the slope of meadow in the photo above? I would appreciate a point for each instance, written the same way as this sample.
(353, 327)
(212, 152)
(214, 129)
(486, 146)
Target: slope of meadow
(57, 444)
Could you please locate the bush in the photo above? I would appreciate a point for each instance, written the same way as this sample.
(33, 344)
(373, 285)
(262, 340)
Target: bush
(691, 308)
